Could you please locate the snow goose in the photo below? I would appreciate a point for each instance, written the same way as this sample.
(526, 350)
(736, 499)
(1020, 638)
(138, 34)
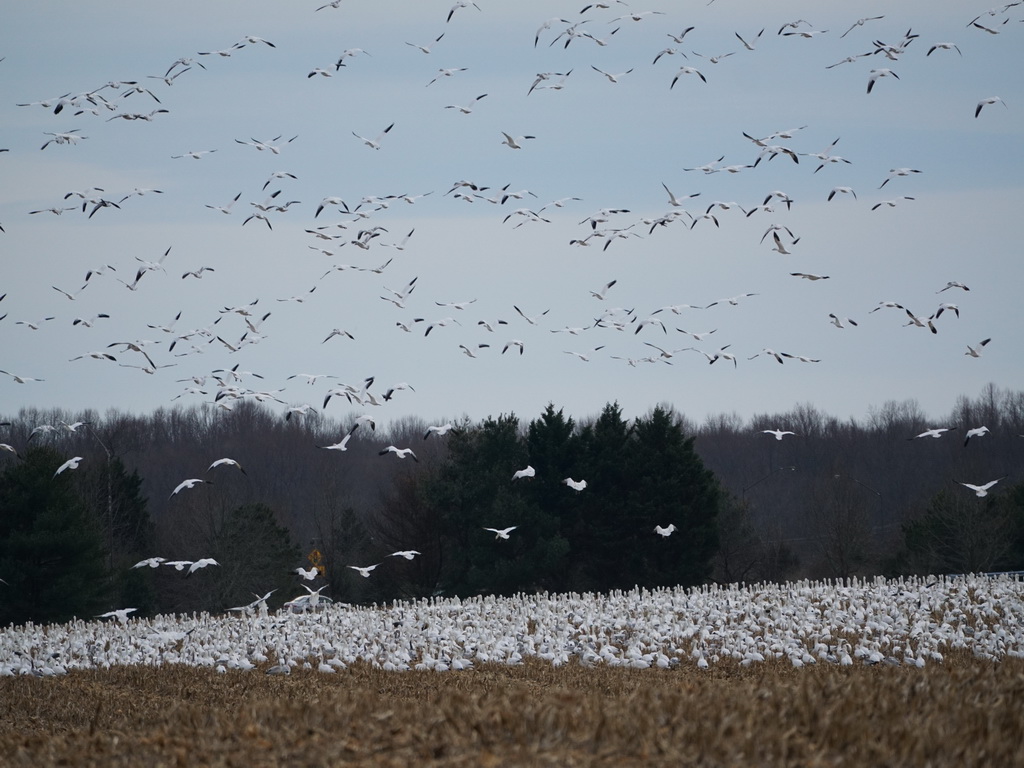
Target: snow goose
(501, 533)
(375, 142)
(981, 490)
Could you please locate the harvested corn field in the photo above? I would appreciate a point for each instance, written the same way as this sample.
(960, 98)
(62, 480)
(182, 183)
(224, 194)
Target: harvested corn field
(963, 712)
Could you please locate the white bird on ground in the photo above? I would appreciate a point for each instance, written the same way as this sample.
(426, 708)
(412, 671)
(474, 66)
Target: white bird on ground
(364, 571)
(69, 464)
(976, 432)
(201, 563)
(986, 102)
(982, 490)
(576, 485)
(190, 483)
(374, 143)
(121, 614)
(528, 471)
(779, 433)
(666, 531)
(503, 532)
(976, 351)
(399, 452)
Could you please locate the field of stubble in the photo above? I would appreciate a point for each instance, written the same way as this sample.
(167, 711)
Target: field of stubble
(964, 712)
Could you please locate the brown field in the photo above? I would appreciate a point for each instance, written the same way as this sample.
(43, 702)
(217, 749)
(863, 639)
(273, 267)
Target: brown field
(964, 712)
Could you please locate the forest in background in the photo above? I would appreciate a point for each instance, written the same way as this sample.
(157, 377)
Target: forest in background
(838, 498)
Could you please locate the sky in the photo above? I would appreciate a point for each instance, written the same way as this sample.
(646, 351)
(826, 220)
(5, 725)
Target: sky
(617, 141)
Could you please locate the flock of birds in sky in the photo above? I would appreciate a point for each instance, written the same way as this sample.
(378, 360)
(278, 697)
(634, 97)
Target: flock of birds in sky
(334, 222)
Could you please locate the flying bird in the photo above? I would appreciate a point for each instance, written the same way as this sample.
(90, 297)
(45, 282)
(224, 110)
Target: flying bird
(975, 432)
(875, 74)
(971, 351)
(228, 462)
(375, 142)
(986, 102)
(666, 531)
(363, 571)
(936, 433)
(514, 143)
(982, 490)
(399, 452)
(576, 485)
(408, 554)
(503, 532)
(190, 483)
(200, 563)
(527, 471)
(69, 464)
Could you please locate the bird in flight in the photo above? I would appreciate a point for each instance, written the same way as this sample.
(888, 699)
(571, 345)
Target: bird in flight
(666, 531)
(527, 471)
(399, 452)
(375, 142)
(501, 533)
(364, 570)
(936, 433)
(190, 483)
(982, 490)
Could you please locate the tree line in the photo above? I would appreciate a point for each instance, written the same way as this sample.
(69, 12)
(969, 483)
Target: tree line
(835, 499)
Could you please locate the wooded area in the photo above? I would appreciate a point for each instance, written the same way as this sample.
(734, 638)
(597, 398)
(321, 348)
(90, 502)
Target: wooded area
(835, 499)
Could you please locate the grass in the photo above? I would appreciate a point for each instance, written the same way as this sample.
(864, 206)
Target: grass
(964, 712)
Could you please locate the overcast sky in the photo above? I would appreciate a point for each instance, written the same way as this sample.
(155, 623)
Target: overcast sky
(610, 144)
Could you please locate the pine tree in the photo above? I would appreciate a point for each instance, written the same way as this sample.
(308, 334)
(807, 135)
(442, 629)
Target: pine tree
(51, 551)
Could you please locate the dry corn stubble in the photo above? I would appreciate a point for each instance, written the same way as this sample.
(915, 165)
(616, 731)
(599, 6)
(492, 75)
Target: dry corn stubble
(963, 712)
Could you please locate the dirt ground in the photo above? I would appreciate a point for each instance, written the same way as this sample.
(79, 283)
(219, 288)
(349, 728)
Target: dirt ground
(964, 712)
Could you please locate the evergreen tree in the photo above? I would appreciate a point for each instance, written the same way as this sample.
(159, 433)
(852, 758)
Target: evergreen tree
(668, 484)
(595, 530)
(51, 551)
(256, 554)
(116, 503)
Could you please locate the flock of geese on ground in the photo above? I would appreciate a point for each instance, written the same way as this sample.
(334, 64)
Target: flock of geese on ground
(912, 622)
